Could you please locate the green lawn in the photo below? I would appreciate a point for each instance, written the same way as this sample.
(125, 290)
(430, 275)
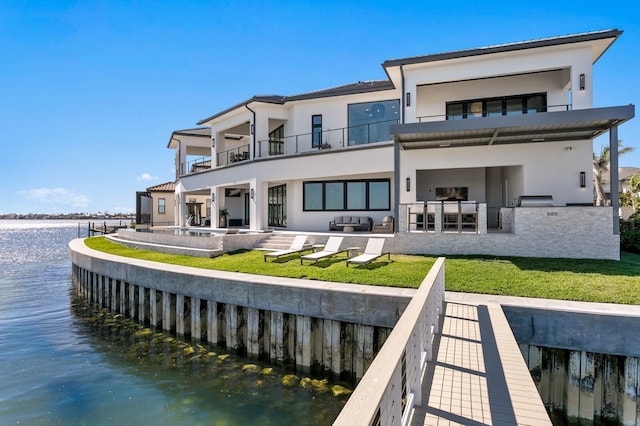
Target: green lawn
(564, 279)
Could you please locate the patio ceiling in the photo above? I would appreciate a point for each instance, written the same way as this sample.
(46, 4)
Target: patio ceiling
(512, 129)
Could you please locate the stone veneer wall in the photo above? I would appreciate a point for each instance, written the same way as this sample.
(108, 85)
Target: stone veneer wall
(562, 232)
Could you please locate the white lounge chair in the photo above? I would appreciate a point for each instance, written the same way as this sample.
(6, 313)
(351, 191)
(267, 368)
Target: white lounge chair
(331, 248)
(372, 251)
(298, 245)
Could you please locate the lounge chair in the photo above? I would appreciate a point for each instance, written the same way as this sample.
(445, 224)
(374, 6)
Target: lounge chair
(371, 252)
(331, 248)
(298, 245)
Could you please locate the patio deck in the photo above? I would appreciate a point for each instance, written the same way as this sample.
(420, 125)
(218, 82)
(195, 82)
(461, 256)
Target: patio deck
(479, 376)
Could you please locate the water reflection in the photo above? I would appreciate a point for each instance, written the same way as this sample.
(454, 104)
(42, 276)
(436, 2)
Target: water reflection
(205, 384)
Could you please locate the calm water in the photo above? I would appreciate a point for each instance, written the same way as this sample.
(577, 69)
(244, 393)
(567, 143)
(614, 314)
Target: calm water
(65, 363)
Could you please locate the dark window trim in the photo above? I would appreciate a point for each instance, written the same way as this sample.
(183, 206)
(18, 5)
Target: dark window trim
(523, 99)
(276, 140)
(163, 205)
(345, 195)
(316, 127)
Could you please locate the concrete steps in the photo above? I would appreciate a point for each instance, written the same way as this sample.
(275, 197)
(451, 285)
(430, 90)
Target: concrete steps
(276, 241)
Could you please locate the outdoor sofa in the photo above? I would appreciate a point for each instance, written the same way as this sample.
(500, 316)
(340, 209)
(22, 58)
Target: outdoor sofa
(359, 223)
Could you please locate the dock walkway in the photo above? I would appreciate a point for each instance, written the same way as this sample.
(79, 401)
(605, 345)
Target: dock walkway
(479, 376)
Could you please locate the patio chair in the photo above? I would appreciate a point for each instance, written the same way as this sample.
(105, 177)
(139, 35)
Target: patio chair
(331, 248)
(372, 251)
(297, 246)
(386, 227)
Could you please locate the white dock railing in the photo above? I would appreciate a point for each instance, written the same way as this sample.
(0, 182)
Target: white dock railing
(391, 387)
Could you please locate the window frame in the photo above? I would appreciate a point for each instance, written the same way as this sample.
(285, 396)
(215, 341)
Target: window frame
(316, 130)
(345, 202)
(523, 99)
(368, 125)
(162, 206)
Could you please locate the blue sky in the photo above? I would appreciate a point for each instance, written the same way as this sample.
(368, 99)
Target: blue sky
(90, 91)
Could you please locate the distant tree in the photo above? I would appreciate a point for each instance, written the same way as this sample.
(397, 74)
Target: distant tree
(601, 165)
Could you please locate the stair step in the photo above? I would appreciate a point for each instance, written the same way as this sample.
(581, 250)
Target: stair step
(276, 242)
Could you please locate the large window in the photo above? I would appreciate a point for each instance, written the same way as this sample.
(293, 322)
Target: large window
(370, 122)
(162, 205)
(347, 195)
(316, 131)
(492, 107)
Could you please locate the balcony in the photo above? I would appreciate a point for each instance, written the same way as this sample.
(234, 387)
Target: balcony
(444, 117)
(326, 139)
(194, 166)
(234, 155)
(296, 144)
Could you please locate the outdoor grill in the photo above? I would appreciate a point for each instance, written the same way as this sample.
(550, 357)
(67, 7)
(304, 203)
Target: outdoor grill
(535, 201)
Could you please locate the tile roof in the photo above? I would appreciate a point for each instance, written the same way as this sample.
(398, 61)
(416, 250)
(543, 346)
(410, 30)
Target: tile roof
(163, 187)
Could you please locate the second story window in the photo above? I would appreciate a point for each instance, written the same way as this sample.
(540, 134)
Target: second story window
(316, 131)
(276, 141)
(492, 107)
(370, 122)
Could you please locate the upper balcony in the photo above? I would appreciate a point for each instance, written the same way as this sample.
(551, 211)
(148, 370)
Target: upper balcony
(319, 140)
(484, 112)
(325, 139)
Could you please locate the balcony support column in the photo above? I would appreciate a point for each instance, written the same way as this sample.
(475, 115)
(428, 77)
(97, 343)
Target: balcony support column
(613, 171)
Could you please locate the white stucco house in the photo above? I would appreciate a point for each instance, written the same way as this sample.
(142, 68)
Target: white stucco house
(479, 151)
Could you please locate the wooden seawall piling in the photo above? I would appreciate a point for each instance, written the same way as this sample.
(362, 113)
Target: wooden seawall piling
(328, 327)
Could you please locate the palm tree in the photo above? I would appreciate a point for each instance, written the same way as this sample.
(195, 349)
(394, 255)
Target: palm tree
(601, 165)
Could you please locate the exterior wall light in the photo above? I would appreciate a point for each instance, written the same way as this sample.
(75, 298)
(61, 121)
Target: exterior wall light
(408, 184)
(253, 194)
(582, 81)
(252, 129)
(408, 99)
(583, 180)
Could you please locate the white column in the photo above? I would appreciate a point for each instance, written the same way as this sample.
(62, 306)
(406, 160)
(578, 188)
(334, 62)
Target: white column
(582, 99)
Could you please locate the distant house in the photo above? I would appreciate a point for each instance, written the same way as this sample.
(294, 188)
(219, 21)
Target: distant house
(162, 204)
(479, 151)
(624, 177)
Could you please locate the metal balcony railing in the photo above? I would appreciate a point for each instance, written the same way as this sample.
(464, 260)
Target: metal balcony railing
(326, 139)
(194, 166)
(233, 155)
(441, 117)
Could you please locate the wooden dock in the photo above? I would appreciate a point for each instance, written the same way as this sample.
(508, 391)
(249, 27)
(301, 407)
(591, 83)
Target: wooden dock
(103, 228)
(479, 376)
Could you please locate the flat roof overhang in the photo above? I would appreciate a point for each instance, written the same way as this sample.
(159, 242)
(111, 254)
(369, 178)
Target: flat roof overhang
(512, 129)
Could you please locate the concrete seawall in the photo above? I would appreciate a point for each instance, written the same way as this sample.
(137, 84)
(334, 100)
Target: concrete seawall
(332, 327)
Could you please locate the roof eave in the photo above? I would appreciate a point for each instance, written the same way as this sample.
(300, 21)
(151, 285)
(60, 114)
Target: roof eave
(272, 99)
(612, 34)
(186, 132)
